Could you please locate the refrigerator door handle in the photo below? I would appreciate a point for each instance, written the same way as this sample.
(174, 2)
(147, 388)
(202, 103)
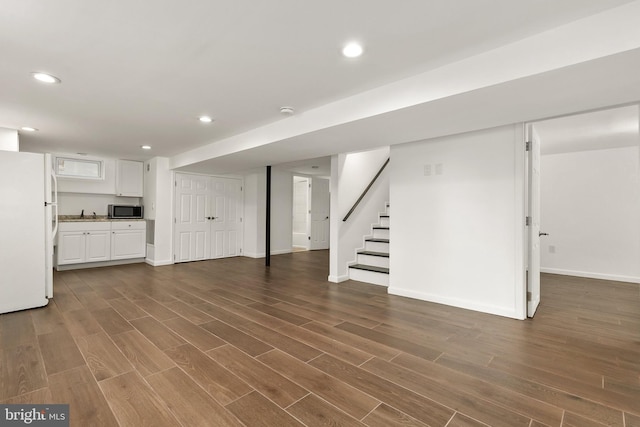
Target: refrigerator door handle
(55, 220)
(54, 204)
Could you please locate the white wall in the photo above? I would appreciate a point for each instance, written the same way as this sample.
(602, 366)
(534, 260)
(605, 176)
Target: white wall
(9, 140)
(281, 211)
(590, 205)
(255, 212)
(350, 175)
(457, 235)
(74, 203)
(158, 201)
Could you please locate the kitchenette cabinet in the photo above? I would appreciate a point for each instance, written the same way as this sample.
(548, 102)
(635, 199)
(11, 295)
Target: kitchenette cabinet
(83, 244)
(128, 239)
(129, 178)
(80, 242)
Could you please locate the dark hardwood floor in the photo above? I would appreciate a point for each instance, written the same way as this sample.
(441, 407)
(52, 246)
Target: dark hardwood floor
(229, 342)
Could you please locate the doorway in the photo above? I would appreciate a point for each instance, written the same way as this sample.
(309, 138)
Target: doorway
(588, 200)
(310, 225)
(301, 212)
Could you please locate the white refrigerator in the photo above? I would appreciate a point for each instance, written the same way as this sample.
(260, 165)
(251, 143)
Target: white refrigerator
(28, 224)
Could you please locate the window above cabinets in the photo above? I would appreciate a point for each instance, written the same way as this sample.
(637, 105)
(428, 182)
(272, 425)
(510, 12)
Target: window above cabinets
(69, 167)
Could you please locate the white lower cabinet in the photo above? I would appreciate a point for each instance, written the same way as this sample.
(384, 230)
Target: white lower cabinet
(128, 239)
(83, 242)
(80, 242)
(98, 245)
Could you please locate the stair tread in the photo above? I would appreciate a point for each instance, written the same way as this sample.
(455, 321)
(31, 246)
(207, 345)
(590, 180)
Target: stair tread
(370, 268)
(380, 227)
(384, 216)
(374, 253)
(377, 240)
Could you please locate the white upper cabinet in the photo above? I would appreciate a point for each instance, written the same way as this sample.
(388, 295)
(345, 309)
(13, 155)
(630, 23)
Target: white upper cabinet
(129, 178)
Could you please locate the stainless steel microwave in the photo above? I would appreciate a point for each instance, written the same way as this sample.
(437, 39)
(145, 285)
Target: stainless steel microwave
(126, 211)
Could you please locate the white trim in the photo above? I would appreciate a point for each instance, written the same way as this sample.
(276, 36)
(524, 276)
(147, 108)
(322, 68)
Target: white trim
(520, 230)
(263, 254)
(338, 279)
(253, 255)
(158, 263)
(591, 275)
(281, 251)
(109, 263)
(455, 302)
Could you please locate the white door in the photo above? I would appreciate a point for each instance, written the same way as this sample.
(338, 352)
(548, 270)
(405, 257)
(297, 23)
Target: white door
(319, 222)
(226, 217)
(533, 275)
(191, 224)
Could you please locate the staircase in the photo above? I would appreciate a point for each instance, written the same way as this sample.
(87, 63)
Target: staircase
(372, 263)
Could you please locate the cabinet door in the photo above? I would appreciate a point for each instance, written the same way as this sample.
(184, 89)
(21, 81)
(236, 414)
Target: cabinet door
(71, 247)
(128, 244)
(129, 178)
(98, 244)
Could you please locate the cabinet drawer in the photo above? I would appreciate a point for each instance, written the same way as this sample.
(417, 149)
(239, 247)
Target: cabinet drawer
(85, 225)
(128, 225)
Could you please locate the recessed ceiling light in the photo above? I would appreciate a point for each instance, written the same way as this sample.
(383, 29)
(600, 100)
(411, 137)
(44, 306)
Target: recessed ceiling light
(205, 119)
(28, 129)
(287, 111)
(45, 78)
(352, 50)
(145, 147)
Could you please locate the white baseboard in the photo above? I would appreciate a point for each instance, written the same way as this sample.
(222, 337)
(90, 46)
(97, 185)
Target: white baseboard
(282, 251)
(110, 263)
(338, 279)
(158, 263)
(455, 302)
(253, 255)
(263, 254)
(591, 275)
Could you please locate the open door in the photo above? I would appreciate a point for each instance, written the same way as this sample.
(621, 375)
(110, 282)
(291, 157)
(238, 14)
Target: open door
(319, 233)
(533, 220)
(300, 239)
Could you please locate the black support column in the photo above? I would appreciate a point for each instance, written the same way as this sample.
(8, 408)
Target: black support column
(267, 243)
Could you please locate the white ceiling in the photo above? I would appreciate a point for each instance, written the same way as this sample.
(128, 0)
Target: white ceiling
(141, 72)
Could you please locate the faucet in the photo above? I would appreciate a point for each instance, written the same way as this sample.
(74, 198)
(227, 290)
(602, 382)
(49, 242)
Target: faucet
(95, 216)
(82, 214)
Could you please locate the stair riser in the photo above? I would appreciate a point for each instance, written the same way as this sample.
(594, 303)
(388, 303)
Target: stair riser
(380, 233)
(377, 261)
(372, 277)
(384, 222)
(376, 247)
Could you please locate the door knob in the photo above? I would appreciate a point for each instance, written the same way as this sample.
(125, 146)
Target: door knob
(543, 234)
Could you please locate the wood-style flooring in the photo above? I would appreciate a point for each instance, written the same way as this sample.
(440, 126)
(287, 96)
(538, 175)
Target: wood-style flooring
(231, 343)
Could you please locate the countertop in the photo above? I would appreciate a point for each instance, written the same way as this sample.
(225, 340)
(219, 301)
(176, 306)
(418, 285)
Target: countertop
(90, 218)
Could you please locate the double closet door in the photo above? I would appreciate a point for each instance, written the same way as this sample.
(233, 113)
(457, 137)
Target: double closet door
(208, 217)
